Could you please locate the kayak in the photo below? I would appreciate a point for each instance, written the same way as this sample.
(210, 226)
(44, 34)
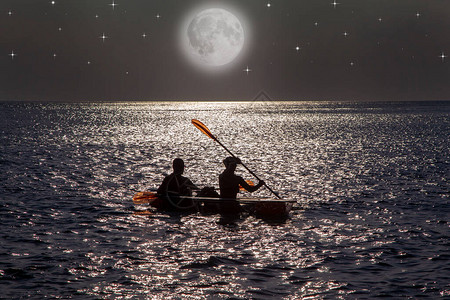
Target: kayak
(261, 207)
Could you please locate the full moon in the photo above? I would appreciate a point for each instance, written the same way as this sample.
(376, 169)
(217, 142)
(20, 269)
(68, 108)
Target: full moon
(215, 37)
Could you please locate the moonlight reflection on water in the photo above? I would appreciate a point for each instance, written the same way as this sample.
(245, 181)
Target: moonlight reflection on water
(369, 179)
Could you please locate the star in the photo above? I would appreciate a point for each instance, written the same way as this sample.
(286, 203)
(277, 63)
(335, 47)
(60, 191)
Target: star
(158, 16)
(144, 35)
(297, 48)
(316, 24)
(417, 14)
(103, 37)
(247, 70)
(89, 62)
(52, 2)
(268, 4)
(59, 29)
(352, 63)
(54, 55)
(113, 4)
(345, 34)
(380, 19)
(10, 13)
(12, 54)
(334, 3)
(443, 56)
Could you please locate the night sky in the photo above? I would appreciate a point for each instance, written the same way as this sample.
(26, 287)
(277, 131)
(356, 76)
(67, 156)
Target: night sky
(295, 50)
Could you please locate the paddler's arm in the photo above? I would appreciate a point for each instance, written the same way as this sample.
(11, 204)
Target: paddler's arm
(248, 187)
(163, 187)
(190, 185)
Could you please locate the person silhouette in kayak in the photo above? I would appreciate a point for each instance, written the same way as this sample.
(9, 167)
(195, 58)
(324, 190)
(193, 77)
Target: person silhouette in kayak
(175, 185)
(229, 184)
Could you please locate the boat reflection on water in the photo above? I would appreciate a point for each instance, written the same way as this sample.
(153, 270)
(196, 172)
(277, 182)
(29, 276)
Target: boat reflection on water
(264, 208)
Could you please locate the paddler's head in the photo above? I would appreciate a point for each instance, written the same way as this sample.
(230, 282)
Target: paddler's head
(230, 163)
(178, 166)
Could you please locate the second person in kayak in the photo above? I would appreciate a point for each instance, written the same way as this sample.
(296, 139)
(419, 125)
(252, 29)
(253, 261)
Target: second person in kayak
(229, 185)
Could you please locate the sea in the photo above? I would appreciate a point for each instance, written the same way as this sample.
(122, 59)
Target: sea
(370, 181)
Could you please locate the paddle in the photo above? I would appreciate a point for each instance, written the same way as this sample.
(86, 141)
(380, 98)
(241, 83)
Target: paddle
(149, 197)
(144, 197)
(249, 182)
(202, 127)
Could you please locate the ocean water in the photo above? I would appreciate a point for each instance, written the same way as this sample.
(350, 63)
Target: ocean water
(371, 181)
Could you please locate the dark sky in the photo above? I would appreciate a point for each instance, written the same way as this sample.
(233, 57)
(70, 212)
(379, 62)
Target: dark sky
(393, 50)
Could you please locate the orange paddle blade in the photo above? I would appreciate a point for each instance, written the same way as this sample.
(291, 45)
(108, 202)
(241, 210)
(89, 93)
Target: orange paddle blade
(202, 127)
(144, 197)
(249, 182)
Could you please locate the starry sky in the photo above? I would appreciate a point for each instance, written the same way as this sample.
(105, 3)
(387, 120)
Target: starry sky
(91, 50)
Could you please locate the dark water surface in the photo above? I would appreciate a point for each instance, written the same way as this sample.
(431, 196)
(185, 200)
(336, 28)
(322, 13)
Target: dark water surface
(370, 180)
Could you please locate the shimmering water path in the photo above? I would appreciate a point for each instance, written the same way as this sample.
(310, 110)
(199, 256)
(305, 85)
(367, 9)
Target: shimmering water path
(370, 180)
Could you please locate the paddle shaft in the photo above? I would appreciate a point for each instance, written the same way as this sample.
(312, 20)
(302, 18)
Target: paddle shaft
(250, 171)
